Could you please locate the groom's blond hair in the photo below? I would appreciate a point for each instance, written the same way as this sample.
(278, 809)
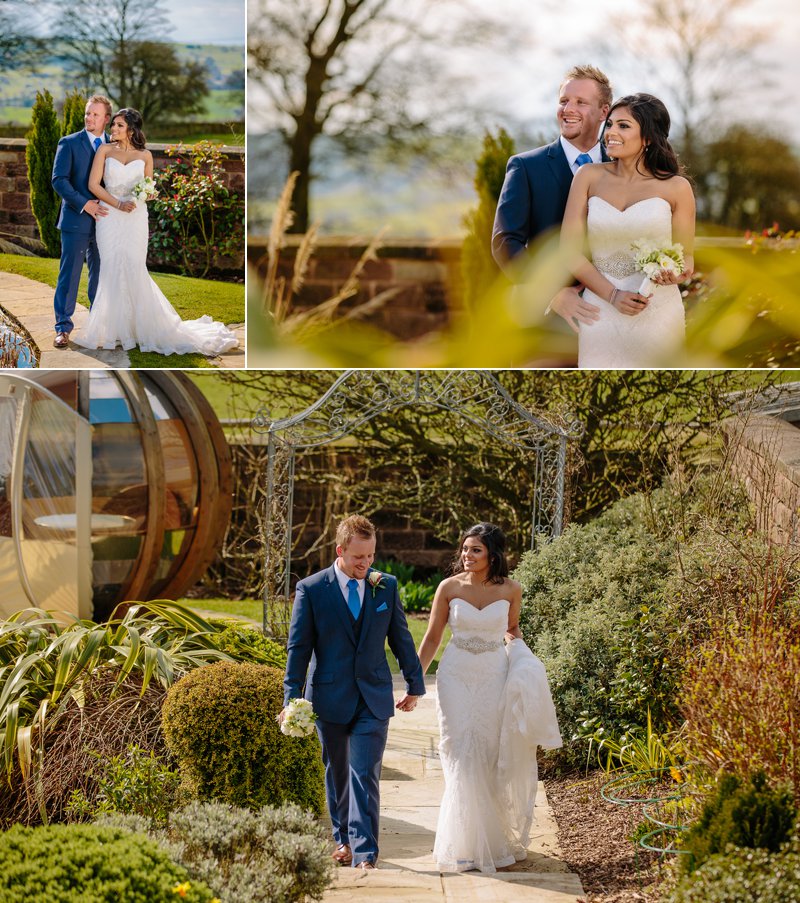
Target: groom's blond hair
(101, 98)
(596, 75)
(355, 525)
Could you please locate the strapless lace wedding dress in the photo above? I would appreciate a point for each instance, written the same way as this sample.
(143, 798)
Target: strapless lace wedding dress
(494, 708)
(653, 338)
(129, 308)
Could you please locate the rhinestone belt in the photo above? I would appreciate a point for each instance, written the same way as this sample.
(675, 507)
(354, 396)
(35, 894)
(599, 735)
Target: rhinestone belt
(619, 265)
(476, 644)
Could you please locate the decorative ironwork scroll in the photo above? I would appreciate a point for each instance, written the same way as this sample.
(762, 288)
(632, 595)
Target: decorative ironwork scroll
(474, 397)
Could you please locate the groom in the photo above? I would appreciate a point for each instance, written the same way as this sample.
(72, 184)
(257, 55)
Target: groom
(341, 620)
(534, 194)
(79, 210)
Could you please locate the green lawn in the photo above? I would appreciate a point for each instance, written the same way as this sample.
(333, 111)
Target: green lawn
(190, 297)
(251, 608)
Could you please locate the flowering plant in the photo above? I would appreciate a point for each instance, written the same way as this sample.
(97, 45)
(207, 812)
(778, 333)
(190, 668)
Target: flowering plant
(375, 580)
(145, 190)
(650, 259)
(299, 719)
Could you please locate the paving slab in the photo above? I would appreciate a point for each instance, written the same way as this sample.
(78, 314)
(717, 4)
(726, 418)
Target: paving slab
(411, 790)
(32, 304)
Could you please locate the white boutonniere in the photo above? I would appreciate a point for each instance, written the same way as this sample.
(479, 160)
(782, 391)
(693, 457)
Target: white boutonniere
(375, 580)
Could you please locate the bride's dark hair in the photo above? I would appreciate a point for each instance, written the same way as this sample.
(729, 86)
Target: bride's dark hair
(133, 119)
(654, 122)
(495, 541)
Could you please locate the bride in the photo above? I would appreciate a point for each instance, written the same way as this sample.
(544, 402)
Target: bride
(639, 195)
(494, 708)
(129, 308)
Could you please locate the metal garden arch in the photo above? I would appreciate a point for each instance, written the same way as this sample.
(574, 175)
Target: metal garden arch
(357, 396)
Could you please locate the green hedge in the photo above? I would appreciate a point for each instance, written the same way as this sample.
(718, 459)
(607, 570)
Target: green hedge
(90, 864)
(220, 724)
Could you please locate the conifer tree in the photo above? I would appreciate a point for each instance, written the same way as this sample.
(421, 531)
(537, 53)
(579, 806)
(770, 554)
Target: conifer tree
(43, 139)
(74, 109)
(478, 269)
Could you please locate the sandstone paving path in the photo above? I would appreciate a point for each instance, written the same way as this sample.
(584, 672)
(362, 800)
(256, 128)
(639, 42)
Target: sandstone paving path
(411, 788)
(32, 304)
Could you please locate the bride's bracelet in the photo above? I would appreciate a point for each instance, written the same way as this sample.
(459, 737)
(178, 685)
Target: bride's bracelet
(613, 298)
(119, 204)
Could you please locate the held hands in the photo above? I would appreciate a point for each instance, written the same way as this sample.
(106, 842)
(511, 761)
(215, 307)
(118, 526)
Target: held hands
(570, 306)
(407, 703)
(628, 303)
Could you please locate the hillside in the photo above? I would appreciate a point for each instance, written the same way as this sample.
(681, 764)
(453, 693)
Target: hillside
(18, 89)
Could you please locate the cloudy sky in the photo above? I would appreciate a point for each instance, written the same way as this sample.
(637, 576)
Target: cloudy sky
(207, 21)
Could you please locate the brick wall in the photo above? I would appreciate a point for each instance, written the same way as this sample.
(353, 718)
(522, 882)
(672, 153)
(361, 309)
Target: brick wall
(425, 275)
(15, 204)
(766, 457)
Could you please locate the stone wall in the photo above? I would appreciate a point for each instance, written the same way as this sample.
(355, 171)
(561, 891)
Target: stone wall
(423, 278)
(15, 203)
(766, 457)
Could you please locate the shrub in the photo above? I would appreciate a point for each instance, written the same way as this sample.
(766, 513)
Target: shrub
(90, 864)
(245, 643)
(198, 220)
(220, 723)
(109, 720)
(748, 815)
(403, 572)
(741, 700)
(137, 782)
(738, 875)
(40, 154)
(585, 597)
(417, 596)
(270, 855)
(154, 641)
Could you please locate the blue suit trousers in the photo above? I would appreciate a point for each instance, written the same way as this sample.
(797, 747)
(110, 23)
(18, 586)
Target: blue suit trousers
(352, 756)
(76, 247)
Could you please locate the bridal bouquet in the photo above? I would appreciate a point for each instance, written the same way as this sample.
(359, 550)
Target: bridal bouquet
(145, 190)
(299, 720)
(651, 260)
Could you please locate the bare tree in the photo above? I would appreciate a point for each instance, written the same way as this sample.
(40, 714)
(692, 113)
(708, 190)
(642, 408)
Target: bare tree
(19, 46)
(355, 68)
(118, 46)
(700, 55)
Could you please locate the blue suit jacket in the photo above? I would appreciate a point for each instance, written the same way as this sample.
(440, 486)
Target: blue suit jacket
(532, 201)
(71, 168)
(325, 658)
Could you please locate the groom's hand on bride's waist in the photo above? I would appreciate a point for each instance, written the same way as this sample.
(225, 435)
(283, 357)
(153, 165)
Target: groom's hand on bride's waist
(95, 209)
(570, 306)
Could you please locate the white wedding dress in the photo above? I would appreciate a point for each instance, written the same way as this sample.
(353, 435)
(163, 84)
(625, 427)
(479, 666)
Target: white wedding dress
(653, 338)
(494, 708)
(129, 308)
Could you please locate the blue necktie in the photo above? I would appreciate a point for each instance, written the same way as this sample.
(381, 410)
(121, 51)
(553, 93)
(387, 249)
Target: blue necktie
(583, 158)
(97, 142)
(353, 600)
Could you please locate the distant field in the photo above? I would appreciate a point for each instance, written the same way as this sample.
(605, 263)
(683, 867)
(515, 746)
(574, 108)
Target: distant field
(18, 89)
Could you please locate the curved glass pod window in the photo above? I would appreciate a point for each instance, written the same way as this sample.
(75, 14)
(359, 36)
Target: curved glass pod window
(45, 494)
(119, 488)
(157, 488)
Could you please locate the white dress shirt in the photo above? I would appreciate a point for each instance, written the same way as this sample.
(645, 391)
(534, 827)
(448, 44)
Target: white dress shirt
(343, 581)
(573, 153)
(92, 138)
